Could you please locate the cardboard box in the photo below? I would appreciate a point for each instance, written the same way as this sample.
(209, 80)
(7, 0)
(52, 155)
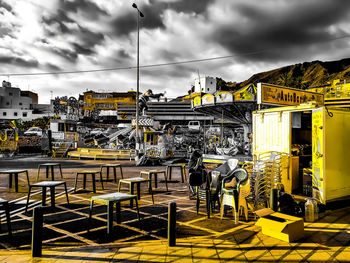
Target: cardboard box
(281, 226)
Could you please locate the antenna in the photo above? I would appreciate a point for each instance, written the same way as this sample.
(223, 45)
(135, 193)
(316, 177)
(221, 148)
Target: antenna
(199, 81)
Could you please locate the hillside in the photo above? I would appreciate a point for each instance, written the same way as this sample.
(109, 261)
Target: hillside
(303, 75)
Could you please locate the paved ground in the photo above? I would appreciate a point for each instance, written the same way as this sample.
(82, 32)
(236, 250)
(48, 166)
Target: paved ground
(199, 239)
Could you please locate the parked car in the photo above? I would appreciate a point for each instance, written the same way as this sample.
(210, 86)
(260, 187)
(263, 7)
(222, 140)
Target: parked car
(36, 131)
(194, 126)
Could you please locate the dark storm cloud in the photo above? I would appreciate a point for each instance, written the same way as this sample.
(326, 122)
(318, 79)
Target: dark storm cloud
(5, 31)
(282, 33)
(89, 38)
(125, 24)
(86, 39)
(86, 7)
(190, 6)
(82, 50)
(69, 55)
(3, 4)
(16, 61)
(58, 19)
(53, 67)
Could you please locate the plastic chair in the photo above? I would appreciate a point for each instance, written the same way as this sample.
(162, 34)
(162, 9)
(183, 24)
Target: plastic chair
(230, 195)
(209, 191)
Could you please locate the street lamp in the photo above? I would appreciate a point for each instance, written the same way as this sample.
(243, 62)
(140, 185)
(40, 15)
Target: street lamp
(139, 14)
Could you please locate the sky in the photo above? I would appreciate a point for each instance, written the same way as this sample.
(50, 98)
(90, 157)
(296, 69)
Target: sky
(41, 36)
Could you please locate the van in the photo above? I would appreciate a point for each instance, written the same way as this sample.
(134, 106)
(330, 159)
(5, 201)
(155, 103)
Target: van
(194, 125)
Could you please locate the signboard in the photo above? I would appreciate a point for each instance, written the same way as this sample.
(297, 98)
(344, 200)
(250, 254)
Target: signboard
(278, 95)
(224, 96)
(143, 122)
(197, 101)
(208, 99)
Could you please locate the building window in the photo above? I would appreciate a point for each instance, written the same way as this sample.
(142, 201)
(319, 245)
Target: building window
(15, 114)
(7, 103)
(24, 114)
(10, 93)
(4, 113)
(20, 103)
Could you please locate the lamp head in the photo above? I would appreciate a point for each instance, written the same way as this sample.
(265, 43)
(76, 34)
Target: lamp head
(141, 14)
(134, 5)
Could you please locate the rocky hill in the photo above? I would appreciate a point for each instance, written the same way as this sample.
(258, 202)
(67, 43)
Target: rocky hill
(300, 76)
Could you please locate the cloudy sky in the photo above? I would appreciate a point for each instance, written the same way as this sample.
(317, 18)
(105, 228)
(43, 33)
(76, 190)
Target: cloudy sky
(75, 35)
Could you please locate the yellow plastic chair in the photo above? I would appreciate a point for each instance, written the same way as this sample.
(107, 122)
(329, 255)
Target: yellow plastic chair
(229, 195)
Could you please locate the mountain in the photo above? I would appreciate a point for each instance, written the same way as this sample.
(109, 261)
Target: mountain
(301, 75)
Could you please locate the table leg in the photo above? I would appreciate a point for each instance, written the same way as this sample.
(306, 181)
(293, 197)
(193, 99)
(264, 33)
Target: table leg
(27, 177)
(65, 189)
(76, 182)
(131, 191)
(16, 181)
(30, 188)
(101, 180)
(155, 180)
(84, 181)
(149, 177)
(107, 178)
(60, 170)
(117, 212)
(43, 201)
(152, 195)
(115, 174)
(121, 172)
(166, 180)
(169, 173)
(37, 178)
(182, 174)
(10, 180)
(52, 173)
(52, 193)
(109, 218)
(94, 183)
(138, 190)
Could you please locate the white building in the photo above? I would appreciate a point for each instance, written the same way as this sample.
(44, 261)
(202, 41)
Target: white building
(16, 104)
(205, 85)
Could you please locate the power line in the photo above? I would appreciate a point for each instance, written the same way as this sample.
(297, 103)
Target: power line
(127, 68)
(148, 66)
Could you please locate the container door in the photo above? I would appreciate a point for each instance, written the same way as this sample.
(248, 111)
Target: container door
(271, 132)
(318, 155)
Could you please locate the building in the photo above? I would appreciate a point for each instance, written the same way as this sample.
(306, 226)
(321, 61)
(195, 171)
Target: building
(106, 102)
(336, 93)
(205, 85)
(17, 104)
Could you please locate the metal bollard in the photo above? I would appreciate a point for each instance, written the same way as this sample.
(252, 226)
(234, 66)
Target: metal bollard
(274, 199)
(172, 224)
(49, 135)
(37, 231)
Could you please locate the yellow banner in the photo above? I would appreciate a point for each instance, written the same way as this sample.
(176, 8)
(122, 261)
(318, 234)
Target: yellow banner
(277, 95)
(317, 155)
(197, 101)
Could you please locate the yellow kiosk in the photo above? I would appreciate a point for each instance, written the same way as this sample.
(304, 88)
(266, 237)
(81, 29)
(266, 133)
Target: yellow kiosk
(316, 138)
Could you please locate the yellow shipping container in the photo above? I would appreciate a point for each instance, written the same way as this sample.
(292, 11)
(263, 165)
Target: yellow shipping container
(314, 137)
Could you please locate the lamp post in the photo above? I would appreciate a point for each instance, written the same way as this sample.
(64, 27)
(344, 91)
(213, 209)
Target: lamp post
(139, 14)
